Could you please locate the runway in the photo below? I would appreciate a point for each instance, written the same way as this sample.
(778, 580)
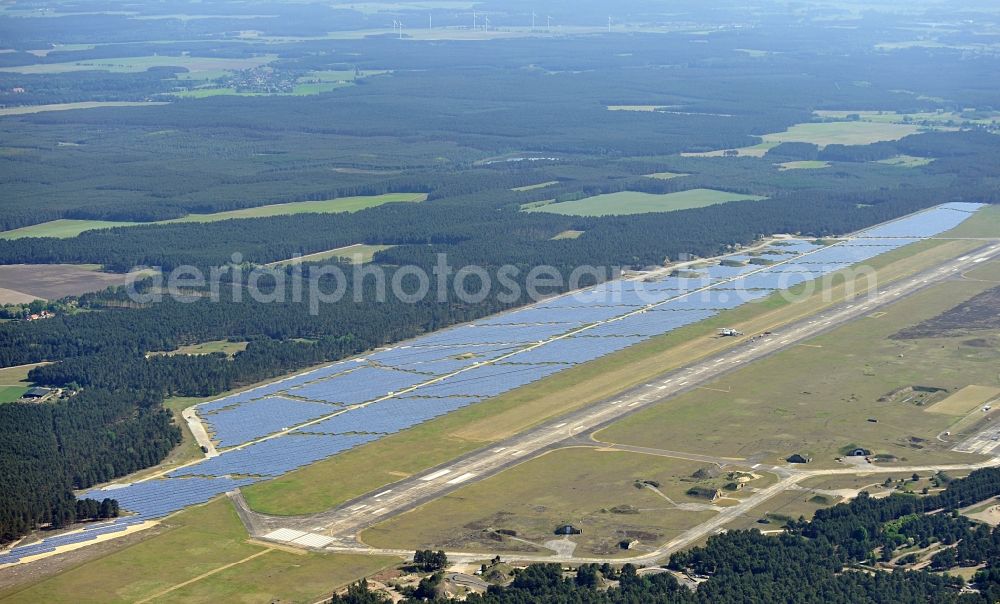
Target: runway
(341, 526)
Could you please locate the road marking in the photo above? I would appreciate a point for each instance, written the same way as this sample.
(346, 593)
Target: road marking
(499, 449)
(978, 260)
(559, 425)
(516, 453)
(437, 474)
(634, 404)
(358, 507)
(461, 478)
(383, 493)
(378, 511)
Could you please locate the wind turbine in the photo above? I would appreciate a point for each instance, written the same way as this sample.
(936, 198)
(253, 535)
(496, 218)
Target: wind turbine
(487, 19)
(609, 24)
(475, 23)
(532, 20)
(548, 22)
(400, 30)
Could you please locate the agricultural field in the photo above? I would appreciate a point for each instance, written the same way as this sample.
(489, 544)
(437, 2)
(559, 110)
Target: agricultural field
(358, 253)
(72, 228)
(803, 165)
(568, 235)
(905, 161)
(194, 65)
(665, 175)
(224, 346)
(27, 109)
(590, 489)
(766, 412)
(842, 133)
(26, 282)
(540, 185)
(631, 202)
(935, 118)
(200, 555)
(315, 82)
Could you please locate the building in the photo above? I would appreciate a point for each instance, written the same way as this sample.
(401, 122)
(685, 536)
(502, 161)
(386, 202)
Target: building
(704, 493)
(568, 529)
(37, 394)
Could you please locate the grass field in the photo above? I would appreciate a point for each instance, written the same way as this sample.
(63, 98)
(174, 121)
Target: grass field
(72, 228)
(842, 133)
(14, 382)
(665, 175)
(632, 202)
(568, 235)
(137, 64)
(540, 185)
(224, 346)
(804, 165)
(359, 253)
(200, 555)
(942, 118)
(61, 228)
(328, 483)
(576, 486)
(769, 411)
(905, 161)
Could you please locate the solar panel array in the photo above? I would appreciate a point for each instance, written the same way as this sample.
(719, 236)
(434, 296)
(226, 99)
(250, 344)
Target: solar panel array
(446, 367)
(274, 457)
(88, 533)
(255, 419)
(358, 386)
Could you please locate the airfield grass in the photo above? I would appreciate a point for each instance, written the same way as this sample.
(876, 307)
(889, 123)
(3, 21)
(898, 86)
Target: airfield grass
(804, 165)
(965, 401)
(359, 253)
(633, 202)
(771, 409)
(199, 555)
(789, 504)
(540, 185)
(71, 228)
(328, 483)
(578, 486)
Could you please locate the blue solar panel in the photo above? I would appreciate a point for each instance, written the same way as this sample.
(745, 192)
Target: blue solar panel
(274, 457)
(259, 418)
(574, 350)
(358, 386)
(157, 498)
(389, 416)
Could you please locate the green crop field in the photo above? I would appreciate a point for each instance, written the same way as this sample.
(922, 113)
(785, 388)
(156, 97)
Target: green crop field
(14, 382)
(632, 202)
(72, 228)
(199, 555)
(770, 410)
(578, 486)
